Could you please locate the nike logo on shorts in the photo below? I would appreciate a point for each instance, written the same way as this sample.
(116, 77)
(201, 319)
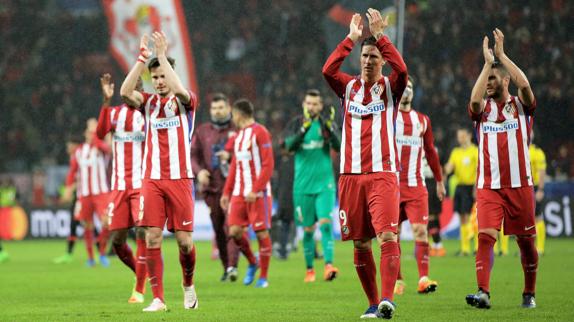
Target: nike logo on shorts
(528, 228)
(185, 223)
(257, 224)
(425, 217)
(394, 224)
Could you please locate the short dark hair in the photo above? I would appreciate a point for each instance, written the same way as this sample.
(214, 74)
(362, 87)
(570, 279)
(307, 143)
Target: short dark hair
(219, 97)
(498, 65)
(370, 41)
(244, 106)
(154, 63)
(313, 92)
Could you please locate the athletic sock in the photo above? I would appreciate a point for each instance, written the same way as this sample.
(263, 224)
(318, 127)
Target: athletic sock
(309, 248)
(484, 261)
(124, 253)
(367, 271)
(529, 259)
(422, 257)
(141, 268)
(265, 249)
(155, 271)
(389, 268)
(327, 241)
(540, 235)
(89, 239)
(245, 247)
(187, 261)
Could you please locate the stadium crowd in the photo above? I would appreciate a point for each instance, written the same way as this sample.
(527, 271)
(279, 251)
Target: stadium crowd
(275, 53)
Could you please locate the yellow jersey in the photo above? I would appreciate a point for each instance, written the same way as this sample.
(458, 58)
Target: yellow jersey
(537, 162)
(465, 162)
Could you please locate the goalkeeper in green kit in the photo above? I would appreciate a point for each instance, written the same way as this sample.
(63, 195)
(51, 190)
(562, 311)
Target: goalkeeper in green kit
(311, 138)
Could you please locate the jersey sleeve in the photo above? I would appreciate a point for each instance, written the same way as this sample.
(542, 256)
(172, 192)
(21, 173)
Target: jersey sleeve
(105, 124)
(72, 171)
(474, 116)
(267, 162)
(399, 75)
(430, 152)
(528, 110)
(230, 180)
(146, 98)
(193, 101)
(331, 70)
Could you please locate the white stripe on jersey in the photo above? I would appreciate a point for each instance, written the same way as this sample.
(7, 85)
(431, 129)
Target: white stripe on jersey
(256, 155)
(480, 181)
(413, 157)
(376, 153)
(525, 143)
(343, 133)
(155, 172)
(187, 134)
(400, 131)
(174, 172)
(92, 155)
(119, 152)
(102, 173)
(245, 166)
(237, 182)
(390, 125)
(356, 130)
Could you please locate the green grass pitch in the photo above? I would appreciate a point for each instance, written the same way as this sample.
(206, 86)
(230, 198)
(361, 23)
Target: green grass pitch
(34, 289)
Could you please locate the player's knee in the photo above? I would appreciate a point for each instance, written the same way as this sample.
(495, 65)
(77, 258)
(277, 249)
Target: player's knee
(153, 238)
(490, 232)
(386, 236)
(140, 233)
(235, 232)
(309, 229)
(420, 232)
(324, 221)
(362, 244)
(120, 237)
(262, 234)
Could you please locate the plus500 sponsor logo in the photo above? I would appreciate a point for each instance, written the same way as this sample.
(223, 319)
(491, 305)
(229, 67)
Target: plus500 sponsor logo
(129, 137)
(372, 108)
(409, 140)
(166, 123)
(507, 126)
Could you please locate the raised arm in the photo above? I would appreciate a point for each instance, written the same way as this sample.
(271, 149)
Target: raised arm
(391, 55)
(331, 70)
(476, 105)
(128, 91)
(171, 78)
(104, 122)
(516, 75)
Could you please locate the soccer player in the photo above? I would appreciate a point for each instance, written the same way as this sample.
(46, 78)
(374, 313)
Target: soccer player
(166, 194)
(71, 146)
(247, 190)
(368, 186)
(88, 175)
(314, 184)
(127, 126)
(207, 143)
(463, 161)
(414, 138)
(504, 185)
(538, 164)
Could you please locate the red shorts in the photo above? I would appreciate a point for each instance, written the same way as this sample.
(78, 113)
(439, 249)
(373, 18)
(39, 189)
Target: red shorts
(257, 213)
(87, 205)
(414, 205)
(369, 204)
(123, 208)
(511, 207)
(168, 201)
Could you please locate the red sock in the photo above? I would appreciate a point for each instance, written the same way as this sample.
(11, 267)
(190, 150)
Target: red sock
(124, 253)
(365, 267)
(264, 255)
(484, 260)
(389, 267)
(155, 271)
(141, 269)
(187, 262)
(529, 259)
(89, 239)
(243, 244)
(103, 239)
(399, 274)
(422, 256)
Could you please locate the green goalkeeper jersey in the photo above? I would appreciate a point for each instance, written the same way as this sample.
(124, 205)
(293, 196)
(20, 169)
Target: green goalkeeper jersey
(313, 165)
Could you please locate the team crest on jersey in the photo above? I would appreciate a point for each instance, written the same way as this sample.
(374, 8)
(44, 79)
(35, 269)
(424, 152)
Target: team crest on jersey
(345, 229)
(377, 90)
(509, 111)
(170, 108)
(138, 120)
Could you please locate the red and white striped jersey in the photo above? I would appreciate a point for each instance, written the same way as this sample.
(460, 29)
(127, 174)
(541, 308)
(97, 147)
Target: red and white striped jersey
(128, 136)
(370, 110)
(88, 168)
(503, 134)
(252, 163)
(169, 127)
(414, 140)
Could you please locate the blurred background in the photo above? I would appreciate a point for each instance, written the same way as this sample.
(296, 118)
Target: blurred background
(54, 51)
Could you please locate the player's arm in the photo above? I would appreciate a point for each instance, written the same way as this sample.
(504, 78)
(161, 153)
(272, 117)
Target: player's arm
(70, 179)
(331, 70)
(104, 121)
(433, 160)
(476, 105)
(171, 79)
(333, 130)
(516, 75)
(296, 130)
(128, 91)
(228, 187)
(391, 55)
(267, 162)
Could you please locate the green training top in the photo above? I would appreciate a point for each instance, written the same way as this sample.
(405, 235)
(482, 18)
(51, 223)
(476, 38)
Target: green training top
(313, 167)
